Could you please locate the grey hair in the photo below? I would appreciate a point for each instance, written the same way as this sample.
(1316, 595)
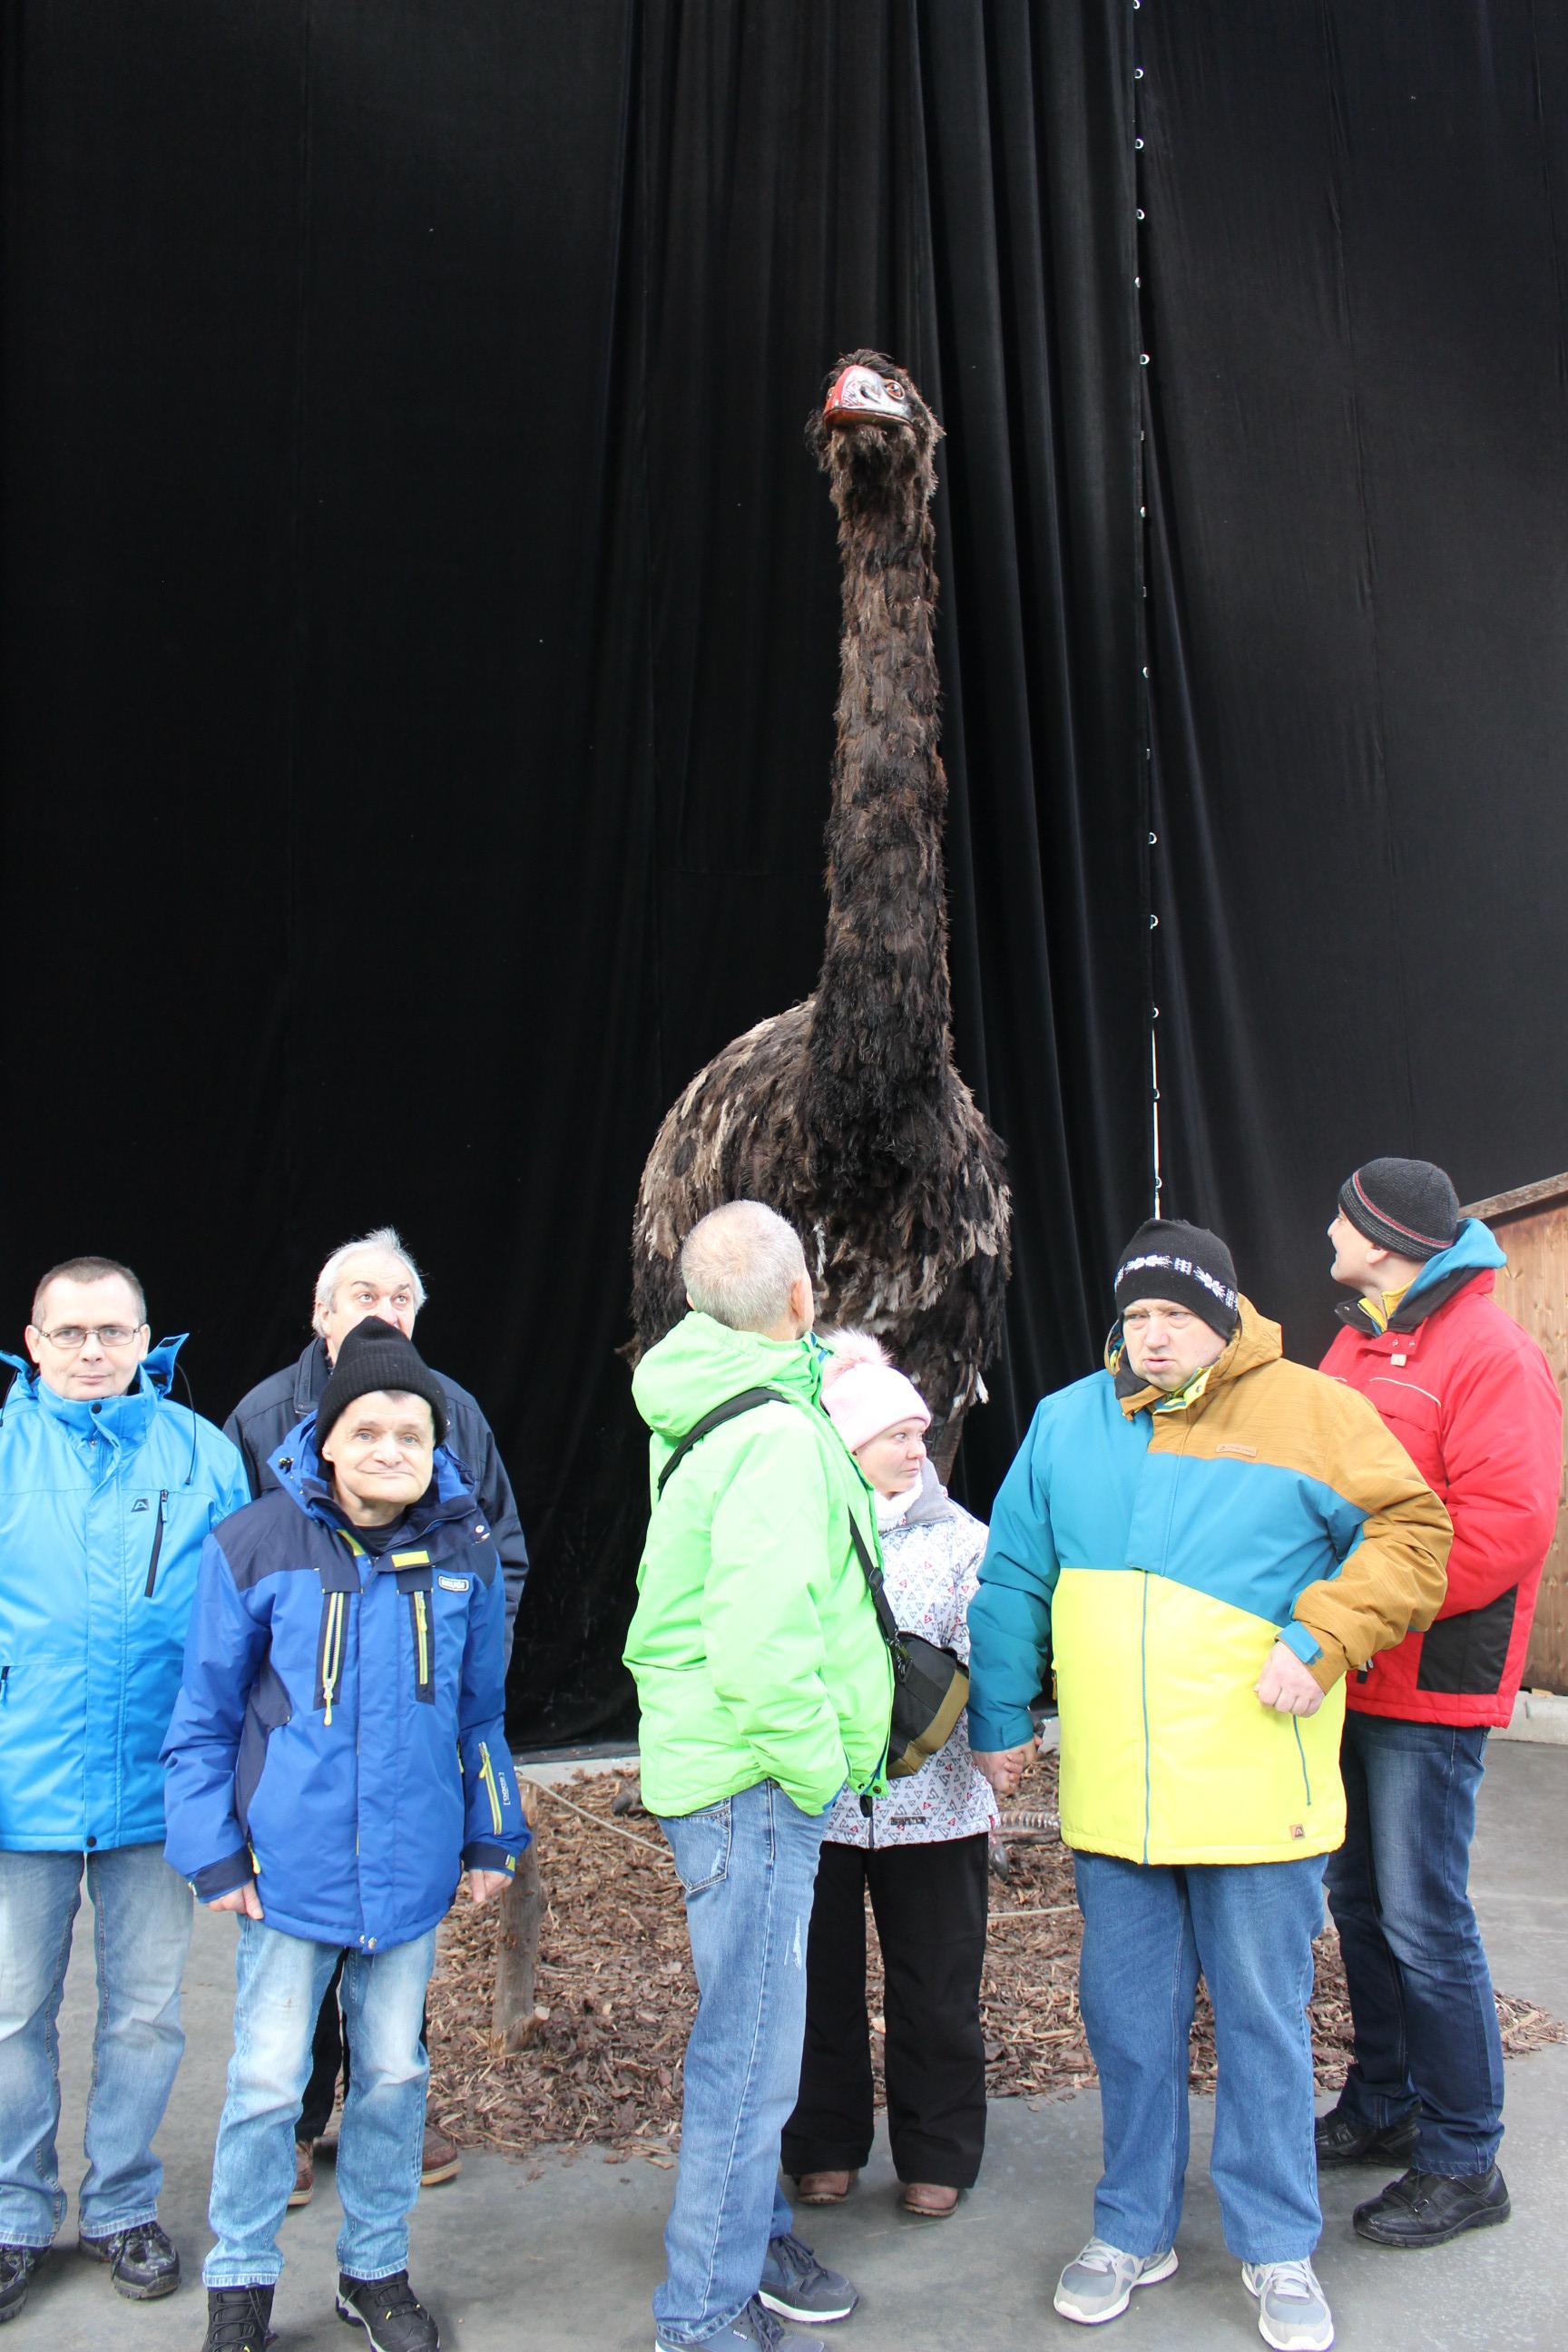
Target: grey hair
(384, 1237)
(89, 1269)
(740, 1264)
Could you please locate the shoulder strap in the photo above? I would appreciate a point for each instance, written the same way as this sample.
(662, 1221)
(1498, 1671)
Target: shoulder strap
(886, 1620)
(747, 1401)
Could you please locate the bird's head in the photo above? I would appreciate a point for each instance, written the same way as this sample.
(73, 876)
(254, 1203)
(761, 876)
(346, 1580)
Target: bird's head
(873, 433)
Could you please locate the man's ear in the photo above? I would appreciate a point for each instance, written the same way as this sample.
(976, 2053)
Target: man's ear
(32, 1335)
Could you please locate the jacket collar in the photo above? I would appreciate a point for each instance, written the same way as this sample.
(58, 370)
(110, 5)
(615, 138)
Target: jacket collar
(125, 1419)
(1257, 1341)
(311, 1374)
(1470, 1262)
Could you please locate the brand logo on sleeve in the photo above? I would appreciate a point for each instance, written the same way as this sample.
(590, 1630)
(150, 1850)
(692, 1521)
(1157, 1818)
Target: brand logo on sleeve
(454, 1583)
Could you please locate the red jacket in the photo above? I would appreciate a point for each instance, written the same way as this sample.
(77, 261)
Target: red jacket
(1472, 1400)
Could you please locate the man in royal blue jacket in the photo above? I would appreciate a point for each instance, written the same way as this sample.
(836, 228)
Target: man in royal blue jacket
(107, 1494)
(336, 1756)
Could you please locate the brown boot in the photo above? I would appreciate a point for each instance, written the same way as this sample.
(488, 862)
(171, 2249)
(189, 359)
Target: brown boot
(929, 2199)
(441, 2161)
(304, 2186)
(825, 2188)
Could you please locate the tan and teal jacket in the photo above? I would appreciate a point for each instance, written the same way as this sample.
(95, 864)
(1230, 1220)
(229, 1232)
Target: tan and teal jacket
(754, 1645)
(1154, 1551)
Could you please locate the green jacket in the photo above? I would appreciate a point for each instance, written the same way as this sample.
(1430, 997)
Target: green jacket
(754, 1646)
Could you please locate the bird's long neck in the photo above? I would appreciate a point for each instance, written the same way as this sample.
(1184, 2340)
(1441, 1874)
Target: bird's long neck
(880, 1036)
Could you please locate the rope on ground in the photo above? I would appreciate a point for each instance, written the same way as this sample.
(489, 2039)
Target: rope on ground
(597, 1819)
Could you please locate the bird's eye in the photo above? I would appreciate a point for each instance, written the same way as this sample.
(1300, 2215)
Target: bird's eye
(894, 390)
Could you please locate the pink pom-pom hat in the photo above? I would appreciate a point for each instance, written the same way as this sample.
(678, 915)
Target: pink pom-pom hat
(863, 1392)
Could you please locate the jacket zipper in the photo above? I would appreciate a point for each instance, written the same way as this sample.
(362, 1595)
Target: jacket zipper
(487, 1774)
(4, 1685)
(331, 1663)
(1301, 1752)
(157, 1543)
(422, 1685)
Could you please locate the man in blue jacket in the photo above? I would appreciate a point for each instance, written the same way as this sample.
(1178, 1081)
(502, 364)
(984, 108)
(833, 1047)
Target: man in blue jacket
(371, 1276)
(107, 1494)
(336, 1756)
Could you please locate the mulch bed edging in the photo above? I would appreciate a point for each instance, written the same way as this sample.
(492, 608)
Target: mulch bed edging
(614, 1975)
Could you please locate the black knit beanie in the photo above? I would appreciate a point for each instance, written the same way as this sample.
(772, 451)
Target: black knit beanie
(1165, 1259)
(1405, 1205)
(376, 1354)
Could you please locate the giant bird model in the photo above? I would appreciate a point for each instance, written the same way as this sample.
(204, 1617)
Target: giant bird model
(846, 1113)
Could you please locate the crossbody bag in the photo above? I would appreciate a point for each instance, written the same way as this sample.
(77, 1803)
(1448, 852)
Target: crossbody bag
(930, 1683)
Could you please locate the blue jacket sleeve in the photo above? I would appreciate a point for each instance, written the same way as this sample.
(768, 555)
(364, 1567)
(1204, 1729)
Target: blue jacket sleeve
(225, 1647)
(495, 1831)
(1010, 1615)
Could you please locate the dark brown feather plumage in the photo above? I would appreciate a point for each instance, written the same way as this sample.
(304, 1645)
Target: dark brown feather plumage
(846, 1113)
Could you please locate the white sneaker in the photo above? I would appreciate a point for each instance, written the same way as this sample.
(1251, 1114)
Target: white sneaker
(1293, 2312)
(1098, 2283)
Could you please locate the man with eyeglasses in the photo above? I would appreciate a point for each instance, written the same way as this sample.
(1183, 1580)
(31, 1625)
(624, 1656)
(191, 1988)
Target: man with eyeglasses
(371, 1276)
(107, 1491)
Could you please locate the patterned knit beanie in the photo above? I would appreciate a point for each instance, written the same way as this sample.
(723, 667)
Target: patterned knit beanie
(1166, 1259)
(1405, 1205)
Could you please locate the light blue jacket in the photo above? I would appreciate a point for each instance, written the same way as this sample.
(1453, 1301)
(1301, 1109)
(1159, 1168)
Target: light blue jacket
(105, 1503)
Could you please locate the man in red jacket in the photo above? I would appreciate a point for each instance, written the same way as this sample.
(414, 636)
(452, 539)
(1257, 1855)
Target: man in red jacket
(1471, 1399)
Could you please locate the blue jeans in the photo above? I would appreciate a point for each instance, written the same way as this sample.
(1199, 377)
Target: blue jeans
(1147, 1932)
(280, 1980)
(747, 1867)
(141, 1933)
(1427, 2039)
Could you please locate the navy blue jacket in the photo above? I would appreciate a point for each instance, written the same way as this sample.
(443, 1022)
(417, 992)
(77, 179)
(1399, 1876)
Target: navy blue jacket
(339, 1725)
(264, 1416)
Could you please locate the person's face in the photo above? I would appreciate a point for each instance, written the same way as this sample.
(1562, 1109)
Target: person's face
(382, 1452)
(1358, 1262)
(1167, 1343)
(372, 1281)
(99, 1362)
(894, 1458)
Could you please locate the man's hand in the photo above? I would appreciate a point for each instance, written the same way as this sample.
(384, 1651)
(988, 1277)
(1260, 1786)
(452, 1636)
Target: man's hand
(1287, 1686)
(483, 1884)
(239, 1899)
(1004, 1767)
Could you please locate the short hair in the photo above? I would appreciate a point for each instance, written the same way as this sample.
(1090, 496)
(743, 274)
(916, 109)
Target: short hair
(383, 1237)
(89, 1269)
(740, 1264)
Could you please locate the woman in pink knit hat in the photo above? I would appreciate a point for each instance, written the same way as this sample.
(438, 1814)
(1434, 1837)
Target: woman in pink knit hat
(922, 1853)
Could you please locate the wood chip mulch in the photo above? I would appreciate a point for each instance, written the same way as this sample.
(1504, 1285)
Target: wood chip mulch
(616, 1976)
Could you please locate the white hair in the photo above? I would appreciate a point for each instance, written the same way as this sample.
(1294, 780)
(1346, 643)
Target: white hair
(384, 1237)
(740, 1264)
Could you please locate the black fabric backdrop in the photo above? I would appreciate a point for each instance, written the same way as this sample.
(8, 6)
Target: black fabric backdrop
(420, 640)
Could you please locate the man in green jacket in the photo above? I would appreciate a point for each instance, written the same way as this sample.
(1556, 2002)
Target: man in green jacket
(764, 1685)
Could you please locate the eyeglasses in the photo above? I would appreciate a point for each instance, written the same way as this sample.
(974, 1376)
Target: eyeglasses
(76, 1335)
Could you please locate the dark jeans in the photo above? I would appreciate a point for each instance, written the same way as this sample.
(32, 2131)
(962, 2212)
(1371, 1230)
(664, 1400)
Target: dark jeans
(1427, 2039)
(929, 1908)
(330, 2058)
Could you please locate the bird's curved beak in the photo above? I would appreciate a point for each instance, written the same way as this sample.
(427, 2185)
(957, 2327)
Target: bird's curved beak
(860, 396)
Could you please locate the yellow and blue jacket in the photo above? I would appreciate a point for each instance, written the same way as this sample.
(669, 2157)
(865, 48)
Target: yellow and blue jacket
(1153, 1550)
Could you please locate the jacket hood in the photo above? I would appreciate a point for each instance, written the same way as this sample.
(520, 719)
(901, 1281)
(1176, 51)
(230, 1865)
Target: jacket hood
(1257, 1341)
(1475, 1251)
(702, 1362)
(930, 1505)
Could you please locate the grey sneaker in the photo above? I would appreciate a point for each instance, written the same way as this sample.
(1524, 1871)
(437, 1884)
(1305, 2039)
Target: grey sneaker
(752, 2330)
(798, 2286)
(1098, 2283)
(1293, 2312)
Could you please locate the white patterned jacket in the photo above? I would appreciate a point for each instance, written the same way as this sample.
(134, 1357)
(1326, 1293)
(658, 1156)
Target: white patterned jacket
(932, 1563)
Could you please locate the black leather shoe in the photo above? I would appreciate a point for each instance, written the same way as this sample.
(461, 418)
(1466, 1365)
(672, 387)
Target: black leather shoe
(238, 2319)
(18, 2264)
(1342, 2140)
(142, 2264)
(1428, 2209)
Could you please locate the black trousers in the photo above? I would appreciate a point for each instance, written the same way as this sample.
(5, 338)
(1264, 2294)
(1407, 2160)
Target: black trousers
(330, 2057)
(930, 1904)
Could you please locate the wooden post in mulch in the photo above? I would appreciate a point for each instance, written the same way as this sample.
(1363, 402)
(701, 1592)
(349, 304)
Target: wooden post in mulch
(515, 2016)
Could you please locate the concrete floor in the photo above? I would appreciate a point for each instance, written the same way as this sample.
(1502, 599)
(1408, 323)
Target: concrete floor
(561, 2254)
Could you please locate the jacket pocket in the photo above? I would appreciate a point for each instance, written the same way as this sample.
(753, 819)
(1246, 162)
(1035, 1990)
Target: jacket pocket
(701, 1845)
(422, 1626)
(487, 1776)
(266, 1710)
(1464, 1656)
